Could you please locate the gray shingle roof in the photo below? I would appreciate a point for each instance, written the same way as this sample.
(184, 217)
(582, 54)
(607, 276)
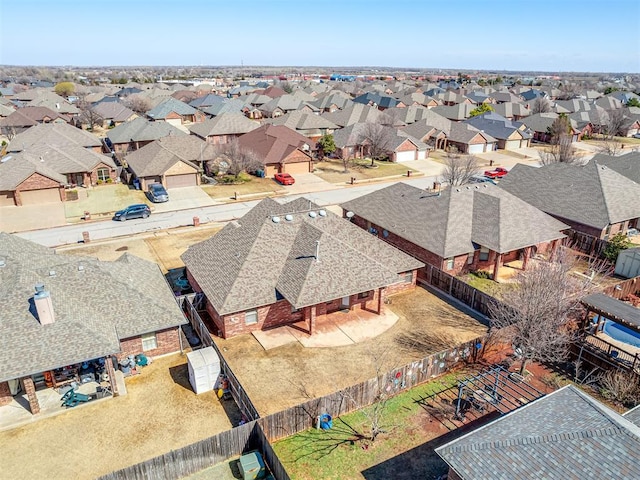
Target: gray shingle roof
(94, 307)
(243, 265)
(224, 124)
(113, 111)
(450, 223)
(565, 435)
(354, 113)
(158, 156)
(17, 167)
(168, 106)
(592, 194)
(497, 126)
(298, 120)
(142, 130)
(627, 165)
(633, 415)
(56, 134)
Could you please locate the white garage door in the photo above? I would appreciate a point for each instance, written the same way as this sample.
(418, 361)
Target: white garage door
(512, 144)
(477, 148)
(295, 168)
(177, 181)
(405, 156)
(37, 197)
(6, 199)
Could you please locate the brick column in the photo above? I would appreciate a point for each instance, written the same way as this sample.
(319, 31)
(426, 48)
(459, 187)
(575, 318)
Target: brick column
(311, 318)
(496, 266)
(30, 390)
(5, 394)
(380, 291)
(525, 258)
(108, 363)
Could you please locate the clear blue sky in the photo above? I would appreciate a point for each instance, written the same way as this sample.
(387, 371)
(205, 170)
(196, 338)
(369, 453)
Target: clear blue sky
(554, 35)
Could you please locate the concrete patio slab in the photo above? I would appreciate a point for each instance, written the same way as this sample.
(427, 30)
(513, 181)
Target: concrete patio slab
(368, 325)
(274, 338)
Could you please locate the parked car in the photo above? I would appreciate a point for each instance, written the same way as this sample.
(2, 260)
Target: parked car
(284, 179)
(133, 211)
(481, 179)
(497, 172)
(157, 193)
(636, 135)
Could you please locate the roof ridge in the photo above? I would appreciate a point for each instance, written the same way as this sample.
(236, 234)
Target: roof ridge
(600, 187)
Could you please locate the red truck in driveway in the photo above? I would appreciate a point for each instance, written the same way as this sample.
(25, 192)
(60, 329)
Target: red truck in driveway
(497, 172)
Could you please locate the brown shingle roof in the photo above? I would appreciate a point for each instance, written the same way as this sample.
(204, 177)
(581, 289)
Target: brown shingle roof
(273, 143)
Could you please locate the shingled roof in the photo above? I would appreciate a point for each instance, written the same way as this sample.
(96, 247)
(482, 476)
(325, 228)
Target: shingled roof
(273, 143)
(224, 124)
(158, 156)
(566, 434)
(627, 165)
(592, 194)
(448, 224)
(56, 134)
(168, 106)
(142, 130)
(253, 260)
(95, 303)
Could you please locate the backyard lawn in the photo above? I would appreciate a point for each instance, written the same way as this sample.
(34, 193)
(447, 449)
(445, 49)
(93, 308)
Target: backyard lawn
(405, 450)
(332, 170)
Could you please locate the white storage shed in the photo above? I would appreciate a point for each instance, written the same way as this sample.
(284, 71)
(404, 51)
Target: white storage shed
(204, 369)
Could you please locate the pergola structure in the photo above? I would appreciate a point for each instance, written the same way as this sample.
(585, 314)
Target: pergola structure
(612, 309)
(494, 389)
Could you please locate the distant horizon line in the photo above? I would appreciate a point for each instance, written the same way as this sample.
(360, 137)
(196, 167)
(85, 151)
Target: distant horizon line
(406, 69)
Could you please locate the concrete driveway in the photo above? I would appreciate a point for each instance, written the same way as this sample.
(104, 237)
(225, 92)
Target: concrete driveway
(32, 217)
(308, 182)
(184, 198)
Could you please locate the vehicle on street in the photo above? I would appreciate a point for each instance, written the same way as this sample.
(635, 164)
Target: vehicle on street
(157, 193)
(482, 179)
(636, 135)
(497, 172)
(284, 179)
(133, 211)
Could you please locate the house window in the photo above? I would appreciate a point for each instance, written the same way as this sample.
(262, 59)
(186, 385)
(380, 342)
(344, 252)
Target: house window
(407, 277)
(251, 317)
(363, 295)
(449, 263)
(470, 258)
(103, 174)
(149, 341)
(484, 254)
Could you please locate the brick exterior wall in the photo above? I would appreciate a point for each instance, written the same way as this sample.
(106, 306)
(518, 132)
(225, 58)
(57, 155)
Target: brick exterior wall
(167, 340)
(37, 182)
(5, 394)
(30, 389)
(113, 174)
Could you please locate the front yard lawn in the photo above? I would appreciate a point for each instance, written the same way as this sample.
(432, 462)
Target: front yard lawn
(251, 185)
(343, 453)
(332, 170)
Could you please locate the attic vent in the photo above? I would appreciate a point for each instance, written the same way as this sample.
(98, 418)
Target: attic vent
(313, 214)
(275, 219)
(457, 189)
(322, 213)
(81, 268)
(52, 273)
(288, 217)
(2, 263)
(468, 188)
(6, 159)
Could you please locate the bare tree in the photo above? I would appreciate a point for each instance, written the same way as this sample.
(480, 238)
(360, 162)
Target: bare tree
(616, 123)
(88, 115)
(458, 168)
(137, 103)
(233, 159)
(375, 137)
(538, 316)
(610, 147)
(562, 149)
(620, 386)
(541, 105)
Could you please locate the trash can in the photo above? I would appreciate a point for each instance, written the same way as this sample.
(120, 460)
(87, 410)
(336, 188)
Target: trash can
(136, 183)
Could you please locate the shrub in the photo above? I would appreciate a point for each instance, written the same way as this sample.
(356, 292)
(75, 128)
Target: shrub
(109, 180)
(482, 274)
(99, 182)
(616, 243)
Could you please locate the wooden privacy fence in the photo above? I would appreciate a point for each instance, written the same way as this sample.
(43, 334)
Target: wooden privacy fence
(470, 296)
(623, 289)
(585, 243)
(189, 303)
(204, 454)
(304, 416)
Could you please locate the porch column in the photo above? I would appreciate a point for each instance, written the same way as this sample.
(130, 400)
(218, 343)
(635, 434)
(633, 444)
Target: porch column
(554, 248)
(380, 292)
(525, 259)
(108, 363)
(496, 266)
(311, 318)
(30, 390)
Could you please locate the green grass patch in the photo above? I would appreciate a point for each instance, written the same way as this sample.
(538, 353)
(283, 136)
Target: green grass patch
(345, 451)
(332, 171)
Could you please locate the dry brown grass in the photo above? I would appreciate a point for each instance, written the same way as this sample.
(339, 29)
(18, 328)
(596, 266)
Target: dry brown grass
(163, 248)
(255, 186)
(159, 413)
(332, 171)
(287, 375)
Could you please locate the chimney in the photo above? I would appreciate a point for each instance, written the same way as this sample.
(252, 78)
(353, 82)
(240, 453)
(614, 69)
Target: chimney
(44, 307)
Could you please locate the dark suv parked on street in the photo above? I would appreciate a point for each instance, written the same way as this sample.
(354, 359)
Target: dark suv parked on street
(133, 211)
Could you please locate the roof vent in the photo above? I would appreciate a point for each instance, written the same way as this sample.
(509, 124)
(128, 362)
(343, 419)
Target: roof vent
(468, 188)
(288, 217)
(313, 214)
(81, 268)
(350, 215)
(52, 273)
(275, 219)
(6, 159)
(2, 263)
(322, 213)
(457, 189)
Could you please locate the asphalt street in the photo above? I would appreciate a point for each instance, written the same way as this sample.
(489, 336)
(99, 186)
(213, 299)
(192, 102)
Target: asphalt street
(101, 230)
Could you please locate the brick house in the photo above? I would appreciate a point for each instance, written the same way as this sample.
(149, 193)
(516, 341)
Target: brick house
(459, 229)
(135, 134)
(26, 117)
(593, 199)
(56, 134)
(223, 128)
(40, 174)
(92, 310)
(176, 112)
(281, 149)
(294, 262)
